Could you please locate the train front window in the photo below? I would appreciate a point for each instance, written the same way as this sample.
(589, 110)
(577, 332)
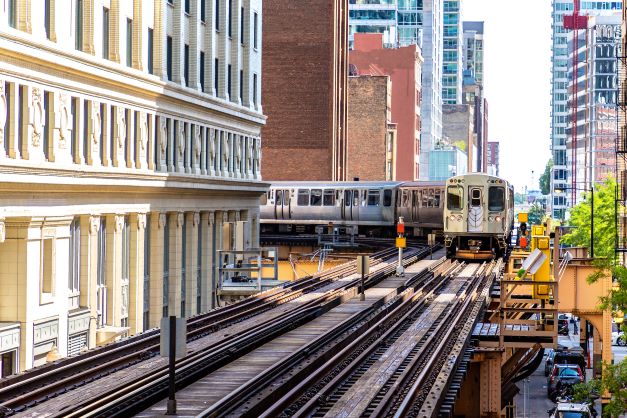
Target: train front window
(454, 197)
(373, 197)
(328, 198)
(496, 199)
(387, 197)
(316, 197)
(303, 197)
(475, 197)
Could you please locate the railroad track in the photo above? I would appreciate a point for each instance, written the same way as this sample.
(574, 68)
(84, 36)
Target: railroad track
(358, 377)
(32, 389)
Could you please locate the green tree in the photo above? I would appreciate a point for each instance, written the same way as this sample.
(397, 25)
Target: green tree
(545, 178)
(536, 214)
(604, 224)
(519, 198)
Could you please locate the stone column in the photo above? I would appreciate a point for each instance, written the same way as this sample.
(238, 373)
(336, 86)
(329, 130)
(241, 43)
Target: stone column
(119, 136)
(194, 45)
(235, 46)
(180, 146)
(220, 218)
(89, 269)
(136, 276)
(210, 38)
(246, 54)
(88, 27)
(115, 223)
(161, 143)
(105, 143)
(160, 67)
(178, 48)
(170, 149)
(12, 124)
(191, 264)
(176, 262)
(157, 224)
(130, 138)
(114, 30)
(196, 151)
(151, 143)
(141, 141)
(223, 49)
(137, 41)
(207, 220)
(92, 118)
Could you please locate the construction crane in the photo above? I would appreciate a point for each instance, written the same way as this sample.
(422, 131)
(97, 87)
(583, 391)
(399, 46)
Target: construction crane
(575, 22)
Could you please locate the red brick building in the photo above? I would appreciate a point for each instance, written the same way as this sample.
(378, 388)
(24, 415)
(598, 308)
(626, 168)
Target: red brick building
(403, 65)
(371, 133)
(304, 89)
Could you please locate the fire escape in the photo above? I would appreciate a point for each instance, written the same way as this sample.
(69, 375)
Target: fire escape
(621, 151)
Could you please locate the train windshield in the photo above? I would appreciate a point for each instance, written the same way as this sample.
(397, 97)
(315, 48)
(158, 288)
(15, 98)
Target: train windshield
(496, 199)
(454, 197)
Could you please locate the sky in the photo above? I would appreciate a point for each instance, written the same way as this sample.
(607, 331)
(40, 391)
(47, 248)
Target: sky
(517, 83)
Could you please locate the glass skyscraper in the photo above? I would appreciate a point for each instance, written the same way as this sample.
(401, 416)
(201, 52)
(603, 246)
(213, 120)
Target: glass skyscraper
(452, 53)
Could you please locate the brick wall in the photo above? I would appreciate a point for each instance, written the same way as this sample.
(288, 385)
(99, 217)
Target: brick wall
(303, 89)
(367, 126)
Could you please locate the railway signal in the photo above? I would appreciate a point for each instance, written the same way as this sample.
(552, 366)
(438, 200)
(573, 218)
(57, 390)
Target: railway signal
(401, 242)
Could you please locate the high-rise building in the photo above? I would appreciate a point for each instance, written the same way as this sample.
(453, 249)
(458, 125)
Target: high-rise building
(493, 158)
(452, 53)
(129, 158)
(560, 114)
(305, 89)
(402, 64)
(473, 49)
(407, 22)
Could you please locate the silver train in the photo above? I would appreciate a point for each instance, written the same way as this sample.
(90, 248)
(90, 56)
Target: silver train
(478, 216)
(370, 208)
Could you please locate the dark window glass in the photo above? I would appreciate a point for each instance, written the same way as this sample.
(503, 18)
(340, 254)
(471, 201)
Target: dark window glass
(187, 6)
(105, 33)
(78, 15)
(303, 198)
(255, 30)
(348, 197)
(241, 85)
(47, 18)
(355, 197)
(316, 197)
(496, 199)
(169, 57)
(374, 197)
(46, 142)
(129, 42)
(241, 26)
(202, 71)
(228, 81)
(150, 51)
(20, 119)
(329, 198)
(230, 18)
(475, 197)
(255, 89)
(203, 11)
(186, 65)
(7, 88)
(84, 117)
(12, 13)
(216, 74)
(387, 197)
(454, 197)
(217, 10)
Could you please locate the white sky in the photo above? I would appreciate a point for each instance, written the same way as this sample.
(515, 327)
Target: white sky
(517, 77)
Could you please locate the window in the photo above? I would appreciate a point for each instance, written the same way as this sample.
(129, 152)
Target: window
(78, 15)
(187, 6)
(387, 197)
(186, 65)
(169, 57)
(202, 71)
(46, 141)
(12, 13)
(84, 117)
(217, 15)
(129, 42)
(228, 81)
(496, 199)
(255, 90)
(355, 197)
(216, 74)
(150, 42)
(475, 197)
(74, 138)
(203, 11)
(329, 197)
(241, 86)
(105, 33)
(7, 363)
(374, 196)
(454, 197)
(241, 26)
(8, 87)
(316, 197)
(348, 197)
(230, 24)
(255, 18)
(47, 265)
(303, 197)
(47, 18)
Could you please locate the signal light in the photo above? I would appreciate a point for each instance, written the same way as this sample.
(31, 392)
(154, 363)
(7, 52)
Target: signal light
(523, 229)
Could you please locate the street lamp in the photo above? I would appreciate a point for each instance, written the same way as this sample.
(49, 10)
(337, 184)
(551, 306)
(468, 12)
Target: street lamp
(562, 189)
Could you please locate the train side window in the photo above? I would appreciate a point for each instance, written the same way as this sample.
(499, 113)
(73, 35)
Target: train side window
(432, 198)
(347, 197)
(454, 197)
(355, 197)
(405, 199)
(496, 199)
(279, 197)
(424, 199)
(374, 197)
(286, 198)
(436, 199)
(303, 197)
(328, 198)
(316, 197)
(264, 199)
(387, 197)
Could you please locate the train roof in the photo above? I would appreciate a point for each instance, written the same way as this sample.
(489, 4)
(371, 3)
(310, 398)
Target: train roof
(476, 176)
(333, 184)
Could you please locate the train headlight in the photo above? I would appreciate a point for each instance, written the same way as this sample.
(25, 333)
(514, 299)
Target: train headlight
(498, 219)
(452, 218)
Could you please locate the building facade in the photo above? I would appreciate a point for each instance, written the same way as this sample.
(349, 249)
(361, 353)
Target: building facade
(130, 156)
(403, 65)
(446, 162)
(473, 49)
(453, 43)
(305, 89)
(459, 130)
(559, 97)
(493, 158)
(371, 133)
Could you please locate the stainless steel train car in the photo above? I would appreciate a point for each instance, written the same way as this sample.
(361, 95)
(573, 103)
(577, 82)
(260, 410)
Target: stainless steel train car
(370, 208)
(478, 216)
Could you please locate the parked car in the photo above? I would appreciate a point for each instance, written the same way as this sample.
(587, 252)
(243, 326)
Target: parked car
(571, 356)
(562, 326)
(548, 363)
(619, 338)
(571, 410)
(562, 377)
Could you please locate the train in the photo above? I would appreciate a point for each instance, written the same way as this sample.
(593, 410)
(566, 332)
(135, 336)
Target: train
(473, 212)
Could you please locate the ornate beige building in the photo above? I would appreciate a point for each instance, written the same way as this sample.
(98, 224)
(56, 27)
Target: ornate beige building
(129, 155)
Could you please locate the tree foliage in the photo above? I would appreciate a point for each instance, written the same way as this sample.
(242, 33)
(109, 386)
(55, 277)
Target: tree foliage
(545, 178)
(536, 214)
(604, 224)
(519, 198)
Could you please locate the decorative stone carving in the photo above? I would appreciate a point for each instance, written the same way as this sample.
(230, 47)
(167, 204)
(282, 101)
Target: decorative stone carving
(95, 124)
(181, 140)
(197, 142)
(37, 116)
(238, 153)
(226, 152)
(180, 219)
(212, 148)
(211, 218)
(119, 223)
(162, 219)
(163, 129)
(143, 131)
(237, 218)
(120, 127)
(225, 216)
(94, 224)
(64, 120)
(141, 221)
(3, 109)
(2, 230)
(249, 155)
(196, 218)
